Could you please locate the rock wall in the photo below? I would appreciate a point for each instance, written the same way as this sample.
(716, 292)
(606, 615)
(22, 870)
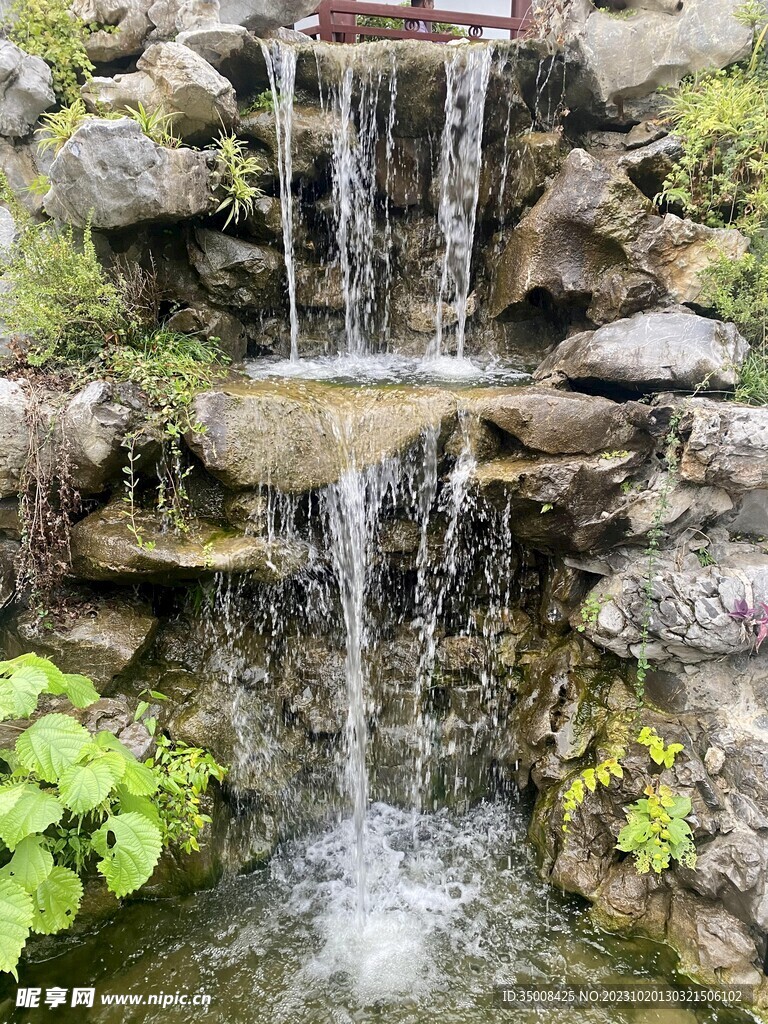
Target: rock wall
(576, 278)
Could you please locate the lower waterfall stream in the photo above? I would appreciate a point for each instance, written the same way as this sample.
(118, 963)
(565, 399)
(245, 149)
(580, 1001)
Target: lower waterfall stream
(402, 888)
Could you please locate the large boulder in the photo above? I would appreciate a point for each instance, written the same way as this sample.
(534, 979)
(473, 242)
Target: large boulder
(264, 17)
(126, 26)
(94, 426)
(313, 133)
(172, 78)
(299, 437)
(651, 352)
(560, 422)
(685, 610)
(99, 637)
(111, 175)
(105, 548)
(629, 57)
(25, 90)
(14, 436)
(594, 242)
(725, 445)
(236, 273)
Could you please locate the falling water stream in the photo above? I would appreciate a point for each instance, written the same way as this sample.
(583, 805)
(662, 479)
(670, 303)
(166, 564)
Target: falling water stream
(281, 67)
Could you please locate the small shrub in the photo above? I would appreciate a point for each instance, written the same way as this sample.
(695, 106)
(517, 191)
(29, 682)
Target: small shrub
(48, 29)
(155, 124)
(61, 300)
(74, 804)
(58, 128)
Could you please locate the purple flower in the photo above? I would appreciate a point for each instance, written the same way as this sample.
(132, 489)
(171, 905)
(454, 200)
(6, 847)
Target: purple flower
(742, 611)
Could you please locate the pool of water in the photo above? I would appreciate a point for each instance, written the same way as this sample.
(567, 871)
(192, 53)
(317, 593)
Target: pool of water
(391, 369)
(454, 908)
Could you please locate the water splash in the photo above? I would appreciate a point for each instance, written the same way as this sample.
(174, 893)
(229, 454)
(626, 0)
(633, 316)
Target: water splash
(281, 68)
(467, 70)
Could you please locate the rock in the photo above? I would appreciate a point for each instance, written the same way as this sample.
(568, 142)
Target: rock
(25, 90)
(651, 352)
(559, 422)
(14, 436)
(264, 17)
(9, 550)
(313, 681)
(319, 287)
(129, 27)
(531, 161)
(100, 638)
(725, 444)
(593, 242)
(404, 171)
(313, 134)
(689, 620)
(22, 162)
(213, 323)
(236, 273)
(8, 232)
(103, 548)
(172, 78)
(649, 167)
(94, 427)
(233, 51)
(714, 946)
(630, 57)
(289, 436)
(109, 174)
(116, 715)
(733, 870)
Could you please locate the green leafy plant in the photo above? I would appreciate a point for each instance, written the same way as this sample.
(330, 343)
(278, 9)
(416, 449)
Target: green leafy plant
(263, 102)
(590, 610)
(72, 804)
(155, 124)
(61, 300)
(398, 23)
(59, 127)
(238, 183)
(656, 832)
(48, 29)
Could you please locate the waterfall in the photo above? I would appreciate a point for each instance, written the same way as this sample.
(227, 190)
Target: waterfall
(467, 70)
(281, 67)
(354, 102)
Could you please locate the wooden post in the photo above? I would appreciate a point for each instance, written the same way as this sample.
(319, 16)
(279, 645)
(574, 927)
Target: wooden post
(325, 19)
(345, 19)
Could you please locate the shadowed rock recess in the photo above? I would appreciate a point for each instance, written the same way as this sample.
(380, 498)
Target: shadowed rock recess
(472, 455)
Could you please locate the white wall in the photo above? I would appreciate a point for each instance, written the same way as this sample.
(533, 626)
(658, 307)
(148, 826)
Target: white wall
(500, 8)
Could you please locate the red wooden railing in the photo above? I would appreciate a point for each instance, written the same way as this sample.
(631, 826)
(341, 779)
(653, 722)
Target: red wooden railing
(337, 22)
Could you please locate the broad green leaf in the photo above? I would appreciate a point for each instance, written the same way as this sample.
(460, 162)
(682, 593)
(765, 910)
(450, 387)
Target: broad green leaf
(56, 901)
(142, 804)
(590, 780)
(84, 786)
(616, 770)
(30, 864)
(19, 693)
(671, 753)
(80, 690)
(108, 741)
(51, 744)
(25, 810)
(603, 775)
(679, 830)
(633, 835)
(16, 913)
(680, 807)
(139, 779)
(136, 844)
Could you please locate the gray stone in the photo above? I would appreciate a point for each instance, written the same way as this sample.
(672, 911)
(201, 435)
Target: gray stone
(14, 436)
(22, 162)
(129, 27)
(651, 352)
(172, 78)
(725, 444)
(264, 17)
(104, 548)
(313, 139)
(97, 637)
(25, 90)
(594, 240)
(9, 550)
(213, 323)
(236, 273)
(286, 435)
(631, 57)
(111, 175)
(558, 422)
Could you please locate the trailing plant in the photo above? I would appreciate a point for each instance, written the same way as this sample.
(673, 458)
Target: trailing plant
(72, 803)
(238, 183)
(656, 832)
(48, 29)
